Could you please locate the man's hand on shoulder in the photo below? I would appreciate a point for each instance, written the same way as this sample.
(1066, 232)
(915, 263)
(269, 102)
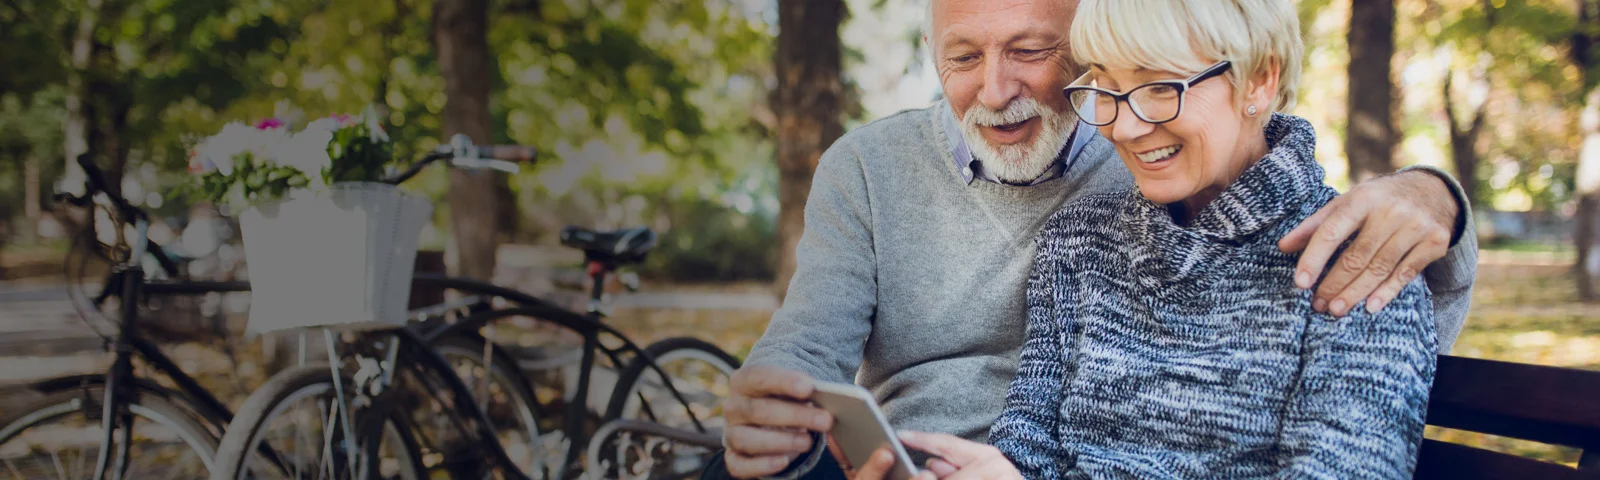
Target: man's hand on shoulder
(1401, 223)
(769, 420)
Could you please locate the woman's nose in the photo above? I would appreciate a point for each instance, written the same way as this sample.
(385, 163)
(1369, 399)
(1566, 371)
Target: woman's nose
(1128, 126)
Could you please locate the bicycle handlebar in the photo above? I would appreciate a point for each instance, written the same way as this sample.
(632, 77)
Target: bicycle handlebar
(509, 153)
(96, 182)
(463, 154)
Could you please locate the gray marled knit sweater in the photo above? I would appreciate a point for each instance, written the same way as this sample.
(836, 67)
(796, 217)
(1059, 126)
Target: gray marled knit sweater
(1163, 351)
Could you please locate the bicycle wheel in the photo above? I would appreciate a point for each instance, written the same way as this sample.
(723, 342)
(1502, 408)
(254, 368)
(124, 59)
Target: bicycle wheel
(59, 436)
(504, 394)
(699, 372)
(292, 428)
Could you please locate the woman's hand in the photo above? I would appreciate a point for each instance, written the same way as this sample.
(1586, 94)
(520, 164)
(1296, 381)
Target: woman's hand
(954, 458)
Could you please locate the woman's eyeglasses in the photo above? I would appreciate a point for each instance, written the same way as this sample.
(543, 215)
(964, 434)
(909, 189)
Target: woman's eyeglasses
(1155, 102)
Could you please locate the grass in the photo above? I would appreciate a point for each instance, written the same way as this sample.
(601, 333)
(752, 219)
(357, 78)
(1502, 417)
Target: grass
(32, 261)
(1513, 245)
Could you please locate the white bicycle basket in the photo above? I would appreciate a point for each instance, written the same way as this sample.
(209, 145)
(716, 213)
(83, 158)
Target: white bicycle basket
(341, 257)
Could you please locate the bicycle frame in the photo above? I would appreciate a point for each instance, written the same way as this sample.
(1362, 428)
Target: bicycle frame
(113, 413)
(127, 283)
(590, 325)
(127, 344)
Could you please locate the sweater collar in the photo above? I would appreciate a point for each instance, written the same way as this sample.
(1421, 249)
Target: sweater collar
(1264, 194)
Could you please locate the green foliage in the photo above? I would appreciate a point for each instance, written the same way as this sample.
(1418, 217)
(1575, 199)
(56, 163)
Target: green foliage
(1509, 57)
(681, 82)
(714, 242)
(249, 182)
(358, 154)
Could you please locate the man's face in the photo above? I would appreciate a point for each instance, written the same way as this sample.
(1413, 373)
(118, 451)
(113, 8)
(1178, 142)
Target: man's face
(992, 53)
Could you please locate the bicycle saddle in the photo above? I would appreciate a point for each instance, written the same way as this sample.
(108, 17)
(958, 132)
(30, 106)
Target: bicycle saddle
(617, 248)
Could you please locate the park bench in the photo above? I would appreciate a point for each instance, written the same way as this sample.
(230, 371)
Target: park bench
(1551, 405)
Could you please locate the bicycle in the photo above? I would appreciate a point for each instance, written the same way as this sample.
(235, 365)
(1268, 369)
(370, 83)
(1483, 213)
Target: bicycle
(185, 421)
(399, 371)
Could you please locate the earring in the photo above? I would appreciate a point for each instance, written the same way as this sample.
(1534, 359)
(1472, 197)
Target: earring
(1250, 110)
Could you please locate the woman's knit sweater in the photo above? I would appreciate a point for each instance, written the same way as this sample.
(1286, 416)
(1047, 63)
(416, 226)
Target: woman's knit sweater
(1156, 350)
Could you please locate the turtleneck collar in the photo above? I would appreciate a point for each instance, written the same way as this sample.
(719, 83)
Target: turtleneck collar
(1265, 193)
(1174, 259)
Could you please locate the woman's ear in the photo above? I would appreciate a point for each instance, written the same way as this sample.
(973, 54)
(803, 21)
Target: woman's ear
(1263, 87)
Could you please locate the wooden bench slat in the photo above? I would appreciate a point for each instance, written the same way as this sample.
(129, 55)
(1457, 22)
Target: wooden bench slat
(1444, 460)
(1531, 402)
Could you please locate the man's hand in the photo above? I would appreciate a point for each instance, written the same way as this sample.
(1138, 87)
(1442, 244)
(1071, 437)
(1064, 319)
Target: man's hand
(955, 458)
(768, 420)
(1401, 223)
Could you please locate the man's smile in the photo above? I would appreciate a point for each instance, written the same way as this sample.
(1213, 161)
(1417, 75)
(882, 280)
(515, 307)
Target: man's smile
(1011, 133)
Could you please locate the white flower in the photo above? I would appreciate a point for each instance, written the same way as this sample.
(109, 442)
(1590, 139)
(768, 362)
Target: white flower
(324, 124)
(265, 143)
(307, 151)
(220, 149)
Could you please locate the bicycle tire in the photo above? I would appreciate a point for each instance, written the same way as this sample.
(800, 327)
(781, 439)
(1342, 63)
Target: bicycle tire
(147, 403)
(663, 352)
(503, 370)
(651, 456)
(247, 428)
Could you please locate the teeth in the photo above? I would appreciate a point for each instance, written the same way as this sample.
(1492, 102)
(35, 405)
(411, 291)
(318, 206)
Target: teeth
(1159, 154)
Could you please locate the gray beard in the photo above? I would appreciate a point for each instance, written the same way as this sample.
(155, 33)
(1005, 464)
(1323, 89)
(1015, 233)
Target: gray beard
(1017, 164)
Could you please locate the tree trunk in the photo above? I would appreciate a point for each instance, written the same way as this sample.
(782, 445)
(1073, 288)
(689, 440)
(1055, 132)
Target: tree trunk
(1464, 153)
(1464, 139)
(461, 43)
(809, 102)
(79, 222)
(108, 127)
(1370, 139)
(1587, 234)
(31, 210)
(76, 126)
(1586, 237)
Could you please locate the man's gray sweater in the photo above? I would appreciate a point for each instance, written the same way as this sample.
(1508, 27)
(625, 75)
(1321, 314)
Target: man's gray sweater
(911, 282)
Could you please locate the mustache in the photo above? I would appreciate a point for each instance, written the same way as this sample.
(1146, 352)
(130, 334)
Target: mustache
(1019, 110)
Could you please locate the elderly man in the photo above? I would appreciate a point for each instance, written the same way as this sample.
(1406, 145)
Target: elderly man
(919, 241)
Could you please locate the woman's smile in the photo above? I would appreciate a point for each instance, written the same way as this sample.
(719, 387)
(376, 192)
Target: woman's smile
(1158, 155)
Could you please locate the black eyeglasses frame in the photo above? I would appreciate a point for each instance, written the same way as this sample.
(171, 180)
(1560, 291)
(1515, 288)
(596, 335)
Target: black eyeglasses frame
(1182, 86)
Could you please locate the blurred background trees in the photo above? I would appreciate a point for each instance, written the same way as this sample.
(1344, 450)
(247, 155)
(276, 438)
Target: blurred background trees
(705, 118)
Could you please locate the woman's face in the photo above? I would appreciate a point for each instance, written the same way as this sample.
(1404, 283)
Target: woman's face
(1196, 155)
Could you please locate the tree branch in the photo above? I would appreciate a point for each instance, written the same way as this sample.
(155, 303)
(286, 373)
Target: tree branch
(526, 7)
(60, 44)
(1449, 103)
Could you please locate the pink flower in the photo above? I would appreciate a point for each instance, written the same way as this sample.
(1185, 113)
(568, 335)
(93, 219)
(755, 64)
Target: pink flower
(344, 119)
(269, 123)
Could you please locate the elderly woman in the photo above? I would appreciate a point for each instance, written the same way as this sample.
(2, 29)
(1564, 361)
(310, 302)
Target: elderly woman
(1164, 339)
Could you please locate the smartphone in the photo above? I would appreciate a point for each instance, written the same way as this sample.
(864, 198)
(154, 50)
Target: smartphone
(860, 428)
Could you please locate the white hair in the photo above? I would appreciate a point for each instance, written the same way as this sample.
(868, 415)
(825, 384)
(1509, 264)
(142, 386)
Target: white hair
(1185, 36)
